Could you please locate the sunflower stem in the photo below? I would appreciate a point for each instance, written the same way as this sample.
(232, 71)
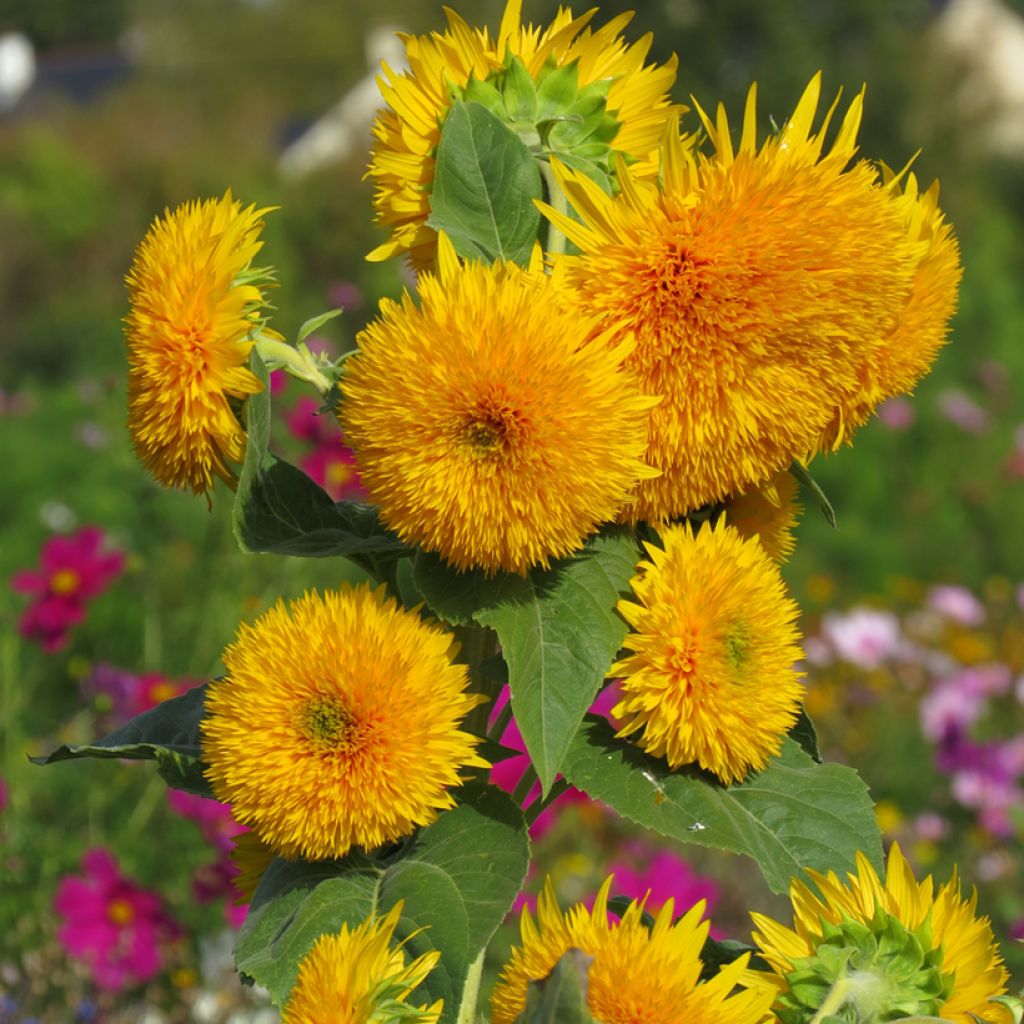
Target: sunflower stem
(471, 990)
(834, 1000)
(557, 201)
(299, 362)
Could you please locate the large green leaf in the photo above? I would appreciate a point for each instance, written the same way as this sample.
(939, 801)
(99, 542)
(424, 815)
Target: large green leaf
(485, 182)
(280, 510)
(167, 734)
(558, 628)
(795, 814)
(458, 878)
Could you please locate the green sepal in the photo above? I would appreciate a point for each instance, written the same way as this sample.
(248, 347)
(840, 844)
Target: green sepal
(316, 322)
(561, 997)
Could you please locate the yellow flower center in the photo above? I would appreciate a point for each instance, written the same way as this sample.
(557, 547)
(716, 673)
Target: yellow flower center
(737, 641)
(64, 581)
(120, 911)
(328, 723)
(492, 428)
(339, 473)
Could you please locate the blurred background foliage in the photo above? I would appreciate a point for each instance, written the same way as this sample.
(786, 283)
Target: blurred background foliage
(141, 104)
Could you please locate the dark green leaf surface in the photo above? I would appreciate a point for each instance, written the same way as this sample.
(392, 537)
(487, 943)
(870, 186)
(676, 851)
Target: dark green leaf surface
(167, 734)
(795, 814)
(558, 628)
(279, 510)
(457, 878)
(485, 181)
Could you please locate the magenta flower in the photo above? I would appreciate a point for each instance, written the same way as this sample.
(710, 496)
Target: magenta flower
(127, 694)
(214, 819)
(112, 925)
(72, 571)
(661, 877)
(331, 463)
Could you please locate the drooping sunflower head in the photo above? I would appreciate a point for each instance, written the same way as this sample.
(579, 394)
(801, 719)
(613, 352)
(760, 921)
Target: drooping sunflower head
(484, 426)
(769, 512)
(638, 973)
(710, 676)
(761, 283)
(589, 97)
(337, 724)
(359, 977)
(881, 951)
(196, 306)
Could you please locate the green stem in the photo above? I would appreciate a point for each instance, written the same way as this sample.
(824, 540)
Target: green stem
(471, 991)
(557, 200)
(501, 722)
(299, 362)
(476, 644)
(834, 1000)
(526, 783)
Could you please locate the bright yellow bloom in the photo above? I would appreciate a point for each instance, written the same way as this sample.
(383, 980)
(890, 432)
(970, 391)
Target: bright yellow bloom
(918, 953)
(195, 308)
(711, 677)
(637, 974)
(408, 130)
(337, 724)
(777, 294)
(356, 977)
(770, 513)
(483, 425)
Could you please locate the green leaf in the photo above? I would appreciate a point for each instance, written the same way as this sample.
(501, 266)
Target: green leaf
(803, 476)
(558, 628)
(556, 90)
(561, 997)
(316, 322)
(806, 735)
(167, 734)
(279, 510)
(485, 182)
(520, 93)
(716, 953)
(458, 879)
(795, 814)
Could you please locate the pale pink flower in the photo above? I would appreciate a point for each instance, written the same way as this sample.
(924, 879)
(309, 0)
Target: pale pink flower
(864, 637)
(958, 604)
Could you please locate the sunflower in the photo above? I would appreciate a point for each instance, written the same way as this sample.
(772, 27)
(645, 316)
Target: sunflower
(877, 952)
(764, 285)
(710, 678)
(337, 724)
(195, 311)
(251, 857)
(484, 426)
(407, 132)
(768, 512)
(357, 977)
(637, 973)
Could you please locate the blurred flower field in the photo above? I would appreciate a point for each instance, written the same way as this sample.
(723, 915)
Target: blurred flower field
(115, 594)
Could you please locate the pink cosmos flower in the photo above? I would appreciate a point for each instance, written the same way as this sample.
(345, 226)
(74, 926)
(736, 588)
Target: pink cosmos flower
(331, 463)
(663, 875)
(864, 637)
(111, 924)
(897, 414)
(346, 295)
(72, 571)
(963, 411)
(957, 604)
(128, 694)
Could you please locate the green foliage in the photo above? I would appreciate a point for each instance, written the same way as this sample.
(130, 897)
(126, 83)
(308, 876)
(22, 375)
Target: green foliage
(457, 878)
(279, 510)
(795, 814)
(558, 630)
(484, 186)
(167, 734)
(561, 997)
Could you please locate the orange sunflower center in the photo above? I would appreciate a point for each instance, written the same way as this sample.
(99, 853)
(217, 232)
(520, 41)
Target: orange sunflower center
(492, 428)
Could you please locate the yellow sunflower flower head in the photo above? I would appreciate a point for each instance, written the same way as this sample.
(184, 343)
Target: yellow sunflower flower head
(638, 973)
(359, 977)
(196, 306)
(710, 676)
(485, 427)
(337, 724)
(251, 857)
(769, 512)
(766, 285)
(868, 950)
(591, 97)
